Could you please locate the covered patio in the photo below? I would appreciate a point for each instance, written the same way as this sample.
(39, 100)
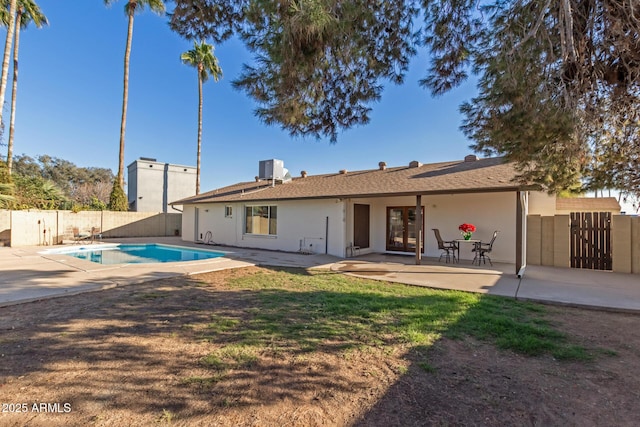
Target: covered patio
(405, 224)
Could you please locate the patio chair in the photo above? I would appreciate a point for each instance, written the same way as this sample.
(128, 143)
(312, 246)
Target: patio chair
(78, 236)
(96, 234)
(447, 248)
(483, 250)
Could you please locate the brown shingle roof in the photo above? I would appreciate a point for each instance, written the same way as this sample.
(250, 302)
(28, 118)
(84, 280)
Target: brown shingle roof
(491, 174)
(591, 204)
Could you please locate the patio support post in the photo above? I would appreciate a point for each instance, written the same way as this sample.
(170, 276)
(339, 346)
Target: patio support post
(418, 230)
(519, 211)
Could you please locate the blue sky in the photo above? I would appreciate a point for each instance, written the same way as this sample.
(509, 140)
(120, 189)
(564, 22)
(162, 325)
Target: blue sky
(70, 96)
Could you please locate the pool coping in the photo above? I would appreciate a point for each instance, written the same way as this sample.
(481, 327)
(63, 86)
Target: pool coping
(66, 251)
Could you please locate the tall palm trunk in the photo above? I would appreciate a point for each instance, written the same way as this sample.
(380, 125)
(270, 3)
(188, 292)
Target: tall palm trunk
(199, 128)
(14, 91)
(7, 53)
(125, 98)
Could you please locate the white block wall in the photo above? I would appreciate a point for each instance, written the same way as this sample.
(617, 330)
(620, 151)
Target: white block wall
(298, 223)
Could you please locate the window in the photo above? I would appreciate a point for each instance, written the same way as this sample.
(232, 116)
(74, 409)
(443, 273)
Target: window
(261, 220)
(228, 211)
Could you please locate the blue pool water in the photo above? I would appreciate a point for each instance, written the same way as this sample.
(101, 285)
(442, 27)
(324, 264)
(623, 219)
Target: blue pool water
(139, 254)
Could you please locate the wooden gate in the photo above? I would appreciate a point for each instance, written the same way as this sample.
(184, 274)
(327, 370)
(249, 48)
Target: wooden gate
(591, 240)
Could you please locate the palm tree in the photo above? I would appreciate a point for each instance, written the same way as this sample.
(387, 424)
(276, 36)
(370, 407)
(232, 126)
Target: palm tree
(203, 59)
(130, 9)
(11, 23)
(28, 11)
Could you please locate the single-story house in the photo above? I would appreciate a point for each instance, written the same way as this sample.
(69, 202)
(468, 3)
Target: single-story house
(565, 206)
(386, 209)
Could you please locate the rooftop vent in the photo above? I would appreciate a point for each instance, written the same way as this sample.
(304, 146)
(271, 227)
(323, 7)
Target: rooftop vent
(382, 166)
(415, 164)
(303, 174)
(470, 158)
(343, 172)
(148, 159)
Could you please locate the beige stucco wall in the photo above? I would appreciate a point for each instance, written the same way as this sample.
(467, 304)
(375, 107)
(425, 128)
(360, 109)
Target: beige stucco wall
(541, 203)
(297, 222)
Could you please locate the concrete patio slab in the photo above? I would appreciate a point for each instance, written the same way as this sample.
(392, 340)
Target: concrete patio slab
(567, 286)
(462, 277)
(588, 288)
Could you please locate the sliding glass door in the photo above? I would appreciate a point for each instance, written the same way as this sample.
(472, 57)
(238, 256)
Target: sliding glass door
(401, 226)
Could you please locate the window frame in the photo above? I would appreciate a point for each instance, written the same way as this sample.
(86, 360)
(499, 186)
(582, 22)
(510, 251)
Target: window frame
(228, 211)
(272, 220)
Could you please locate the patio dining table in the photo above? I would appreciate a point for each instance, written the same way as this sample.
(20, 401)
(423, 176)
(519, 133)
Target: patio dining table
(475, 242)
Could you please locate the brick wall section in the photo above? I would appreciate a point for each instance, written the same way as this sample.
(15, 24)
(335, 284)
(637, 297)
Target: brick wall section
(548, 242)
(31, 228)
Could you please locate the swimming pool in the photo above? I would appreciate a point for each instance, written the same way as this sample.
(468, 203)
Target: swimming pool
(137, 254)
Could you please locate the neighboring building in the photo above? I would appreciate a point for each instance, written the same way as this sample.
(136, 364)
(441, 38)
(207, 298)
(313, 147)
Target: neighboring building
(153, 185)
(587, 204)
(375, 210)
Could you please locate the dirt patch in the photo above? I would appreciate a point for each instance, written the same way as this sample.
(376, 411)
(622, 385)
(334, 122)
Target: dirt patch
(141, 355)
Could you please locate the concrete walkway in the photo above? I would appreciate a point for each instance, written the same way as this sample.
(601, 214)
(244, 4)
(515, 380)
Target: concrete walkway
(26, 274)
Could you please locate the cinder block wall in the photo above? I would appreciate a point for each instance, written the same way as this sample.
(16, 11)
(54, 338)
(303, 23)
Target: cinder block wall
(548, 242)
(5, 227)
(621, 243)
(635, 245)
(31, 228)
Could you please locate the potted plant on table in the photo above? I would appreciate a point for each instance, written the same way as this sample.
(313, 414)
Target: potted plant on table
(467, 230)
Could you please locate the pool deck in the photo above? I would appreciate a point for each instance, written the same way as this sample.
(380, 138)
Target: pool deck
(27, 274)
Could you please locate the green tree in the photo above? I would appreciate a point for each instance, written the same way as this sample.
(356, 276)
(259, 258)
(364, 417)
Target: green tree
(204, 60)
(130, 9)
(39, 193)
(6, 187)
(96, 205)
(559, 81)
(79, 184)
(27, 12)
(10, 7)
(320, 63)
(117, 198)
(5, 177)
(6, 195)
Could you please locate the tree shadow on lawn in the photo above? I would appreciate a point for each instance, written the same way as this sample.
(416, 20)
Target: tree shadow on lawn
(195, 348)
